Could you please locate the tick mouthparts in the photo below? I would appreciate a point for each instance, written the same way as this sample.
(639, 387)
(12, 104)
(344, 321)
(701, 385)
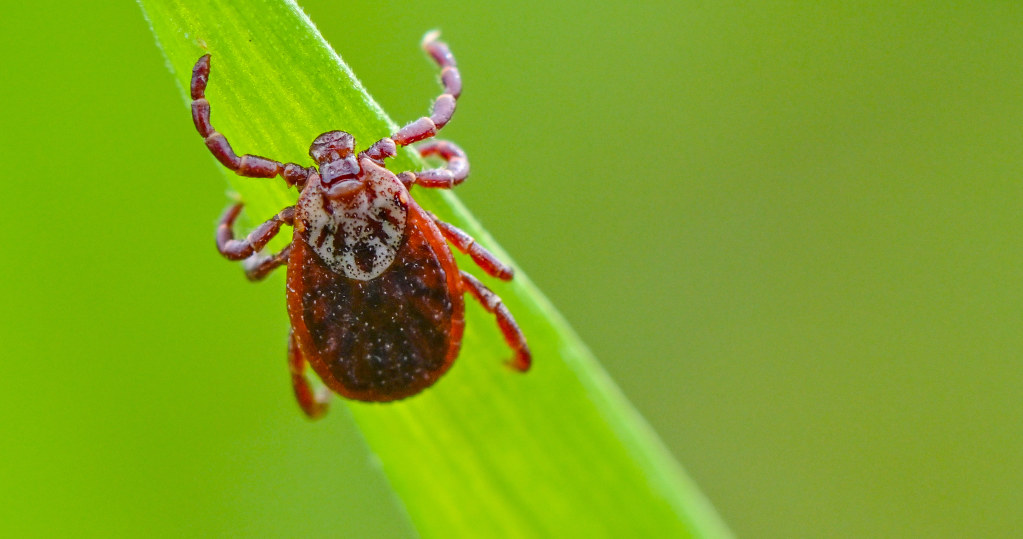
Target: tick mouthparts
(339, 170)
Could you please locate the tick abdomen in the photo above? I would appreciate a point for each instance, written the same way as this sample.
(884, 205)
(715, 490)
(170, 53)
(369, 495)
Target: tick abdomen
(383, 338)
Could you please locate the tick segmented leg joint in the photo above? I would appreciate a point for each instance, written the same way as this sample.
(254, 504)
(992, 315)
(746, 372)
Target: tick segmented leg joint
(253, 166)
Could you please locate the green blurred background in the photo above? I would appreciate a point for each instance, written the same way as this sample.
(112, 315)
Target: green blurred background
(790, 233)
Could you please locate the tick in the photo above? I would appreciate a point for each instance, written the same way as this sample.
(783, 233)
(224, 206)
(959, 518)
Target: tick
(374, 297)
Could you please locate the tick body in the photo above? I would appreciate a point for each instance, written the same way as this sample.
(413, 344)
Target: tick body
(374, 296)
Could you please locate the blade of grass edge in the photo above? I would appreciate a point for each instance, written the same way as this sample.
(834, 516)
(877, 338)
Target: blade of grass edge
(487, 451)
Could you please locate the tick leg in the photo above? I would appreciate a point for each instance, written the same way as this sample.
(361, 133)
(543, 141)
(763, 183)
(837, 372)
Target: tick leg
(449, 176)
(233, 249)
(253, 166)
(444, 106)
(380, 150)
(313, 404)
(257, 266)
(512, 334)
(482, 257)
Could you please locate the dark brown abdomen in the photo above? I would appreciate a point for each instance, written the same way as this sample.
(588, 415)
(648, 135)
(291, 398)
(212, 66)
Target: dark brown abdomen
(386, 338)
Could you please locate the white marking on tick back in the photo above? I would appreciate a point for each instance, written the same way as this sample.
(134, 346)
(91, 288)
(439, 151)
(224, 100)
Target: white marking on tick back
(369, 223)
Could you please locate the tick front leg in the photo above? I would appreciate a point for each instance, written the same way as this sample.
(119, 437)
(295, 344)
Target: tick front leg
(253, 166)
(233, 249)
(482, 257)
(313, 404)
(522, 359)
(444, 107)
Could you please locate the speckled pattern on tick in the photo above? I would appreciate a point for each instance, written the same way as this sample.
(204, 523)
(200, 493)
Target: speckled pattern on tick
(374, 295)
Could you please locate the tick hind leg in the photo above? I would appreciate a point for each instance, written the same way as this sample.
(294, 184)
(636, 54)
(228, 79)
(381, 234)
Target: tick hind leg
(253, 166)
(522, 359)
(314, 404)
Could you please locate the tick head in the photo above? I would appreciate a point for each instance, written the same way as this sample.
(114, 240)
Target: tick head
(334, 152)
(331, 146)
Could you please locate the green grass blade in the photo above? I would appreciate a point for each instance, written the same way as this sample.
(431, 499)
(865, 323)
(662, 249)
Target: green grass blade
(487, 452)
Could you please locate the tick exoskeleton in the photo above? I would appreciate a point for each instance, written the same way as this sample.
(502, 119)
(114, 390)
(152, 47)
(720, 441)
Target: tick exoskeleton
(374, 296)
